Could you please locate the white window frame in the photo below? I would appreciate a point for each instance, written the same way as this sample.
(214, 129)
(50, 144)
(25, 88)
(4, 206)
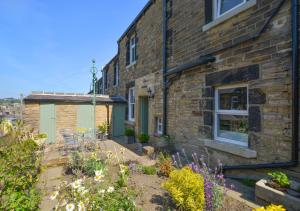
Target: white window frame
(229, 112)
(131, 102)
(117, 74)
(132, 48)
(217, 8)
(159, 125)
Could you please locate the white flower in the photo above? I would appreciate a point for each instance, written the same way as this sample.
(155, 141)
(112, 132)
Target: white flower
(102, 191)
(110, 189)
(81, 206)
(70, 207)
(54, 195)
(77, 184)
(99, 172)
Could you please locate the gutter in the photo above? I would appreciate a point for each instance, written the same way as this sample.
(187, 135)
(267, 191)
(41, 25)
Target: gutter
(165, 70)
(295, 100)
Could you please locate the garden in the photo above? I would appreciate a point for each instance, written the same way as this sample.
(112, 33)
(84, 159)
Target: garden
(104, 176)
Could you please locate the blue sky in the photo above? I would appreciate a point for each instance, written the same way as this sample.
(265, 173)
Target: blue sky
(49, 44)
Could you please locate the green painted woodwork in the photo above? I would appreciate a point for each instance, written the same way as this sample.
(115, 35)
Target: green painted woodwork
(85, 116)
(47, 121)
(144, 115)
(118, 120)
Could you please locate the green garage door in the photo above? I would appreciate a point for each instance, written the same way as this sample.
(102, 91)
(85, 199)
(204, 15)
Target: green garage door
(118, 120)
(85, 115)
(47, 121)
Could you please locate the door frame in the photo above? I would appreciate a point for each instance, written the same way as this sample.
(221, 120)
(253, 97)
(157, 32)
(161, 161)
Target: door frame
(144, 115)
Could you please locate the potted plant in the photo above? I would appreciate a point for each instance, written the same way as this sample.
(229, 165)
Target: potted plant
(278, 189)
(103, 130)
(129, 133)
(143, 139)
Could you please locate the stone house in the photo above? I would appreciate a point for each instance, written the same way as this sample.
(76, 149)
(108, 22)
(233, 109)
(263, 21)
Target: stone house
(216, 76)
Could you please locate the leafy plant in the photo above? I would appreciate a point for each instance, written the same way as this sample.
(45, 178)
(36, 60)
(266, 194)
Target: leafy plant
(41, 136)
(149, 170)
(5, 127)
(103, 128)
(271, 207)
(165, 164)
(87, 166)
(94, 194)
(186, 189)
(143, 138)
(129, 132)
(280, 178)
(19, 169)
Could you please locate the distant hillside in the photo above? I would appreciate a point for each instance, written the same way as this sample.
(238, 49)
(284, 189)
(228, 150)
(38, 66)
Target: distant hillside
(9, 100)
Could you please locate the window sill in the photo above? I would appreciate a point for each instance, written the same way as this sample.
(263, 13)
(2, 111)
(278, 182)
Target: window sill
(231, 148)
(130, 122)
(130, 65)
(229, 15)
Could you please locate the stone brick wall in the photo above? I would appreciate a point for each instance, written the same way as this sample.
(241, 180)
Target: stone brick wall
(252, 47)
(147, 72)
(191, 98)
(31, 115)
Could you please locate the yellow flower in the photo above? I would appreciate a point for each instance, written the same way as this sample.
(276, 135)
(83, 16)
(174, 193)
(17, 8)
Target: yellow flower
(271, 207)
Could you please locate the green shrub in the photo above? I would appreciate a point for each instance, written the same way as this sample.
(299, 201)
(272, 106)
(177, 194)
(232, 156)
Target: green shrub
(103, 128)
(87, 166)
(165, 164)
(280, 178)
(19, 169)
(143, 138)
(91, 165)
(149, 170)
(186, 189)
(129, 132)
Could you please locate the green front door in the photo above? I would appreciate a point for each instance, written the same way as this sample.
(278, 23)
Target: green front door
(85, 115)
(118, 120)
(144, 119)
(47, 121)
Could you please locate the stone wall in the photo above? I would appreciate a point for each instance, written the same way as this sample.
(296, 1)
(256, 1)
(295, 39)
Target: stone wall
(31, 115)
(263, 63)
(253, 48)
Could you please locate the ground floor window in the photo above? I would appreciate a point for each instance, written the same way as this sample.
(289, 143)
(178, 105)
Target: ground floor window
(159, 124)
(231, 114)
(131, 104)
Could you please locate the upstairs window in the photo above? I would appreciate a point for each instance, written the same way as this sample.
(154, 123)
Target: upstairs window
(131, 52)
(116, 74)
(131, 104)
(231, 114)
(223, 6)
(105, 78)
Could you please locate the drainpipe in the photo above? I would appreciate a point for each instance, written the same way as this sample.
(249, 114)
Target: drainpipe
(164, 64)
(295, 100)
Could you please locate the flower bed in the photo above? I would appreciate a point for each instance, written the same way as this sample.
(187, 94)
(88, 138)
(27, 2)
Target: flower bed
(267, 195)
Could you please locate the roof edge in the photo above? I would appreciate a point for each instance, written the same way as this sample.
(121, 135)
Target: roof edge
(137, 18)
